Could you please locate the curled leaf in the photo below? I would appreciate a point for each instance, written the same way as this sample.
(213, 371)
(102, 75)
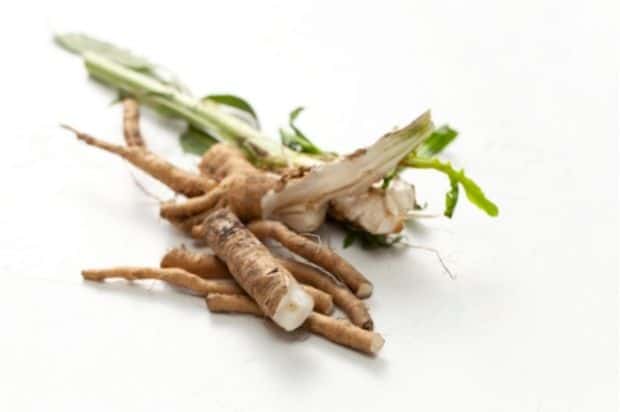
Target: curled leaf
(473, 192)
(295, 139)
(289, 139)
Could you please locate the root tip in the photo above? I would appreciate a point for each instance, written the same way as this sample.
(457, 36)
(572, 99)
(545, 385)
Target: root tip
(364, 290)
(89, 274)
(376, 343)
(69, 128)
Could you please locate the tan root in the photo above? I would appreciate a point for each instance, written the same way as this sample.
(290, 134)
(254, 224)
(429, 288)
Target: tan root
(131, 123)
(323, 302)
(315, 253)
(179, 180)
(254, 268)
(336, 330)
(241, 188)
(222, 160)
(173, 276)
(209, 266)
(192, 207)
(202, 264)
(227, 303)
(352, 306)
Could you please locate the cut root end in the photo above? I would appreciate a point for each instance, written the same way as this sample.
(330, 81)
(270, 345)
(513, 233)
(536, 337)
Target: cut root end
(364, 290)
(294, 309)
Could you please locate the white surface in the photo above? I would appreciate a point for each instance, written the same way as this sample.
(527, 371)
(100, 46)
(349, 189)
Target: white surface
(529, 325)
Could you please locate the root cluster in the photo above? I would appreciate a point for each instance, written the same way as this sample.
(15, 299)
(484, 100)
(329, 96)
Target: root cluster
(223, 208)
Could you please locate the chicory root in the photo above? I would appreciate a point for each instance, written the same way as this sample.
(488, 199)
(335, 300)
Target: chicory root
(131, 123)
(202, 264)
(352, 306)
(337, 330)
(241, 187)
(222, 160)
(191, 207)
(345, 333)
(275, 290)
(173, 276)
(315, 253)
(180, 181)
(209, 266)
(323, 302)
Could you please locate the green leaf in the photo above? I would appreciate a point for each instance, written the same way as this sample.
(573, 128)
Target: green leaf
(196, 141)
(296, 140)
(235, 102)
(289, 140)
(349, 239)
(79, 43)
(473, 192)
(388, 178)
(294, 114)
(368, 240)
(452, 197)
(437, 142)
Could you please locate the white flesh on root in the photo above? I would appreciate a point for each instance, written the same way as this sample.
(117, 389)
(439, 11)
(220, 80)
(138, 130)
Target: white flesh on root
(294, 308)
(378, 211)
(348, 176)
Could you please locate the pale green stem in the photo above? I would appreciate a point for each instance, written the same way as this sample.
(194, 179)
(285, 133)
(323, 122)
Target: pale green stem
(204, 115)
(208, 116)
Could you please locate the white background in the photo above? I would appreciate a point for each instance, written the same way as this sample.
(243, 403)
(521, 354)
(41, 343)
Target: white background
(531, 322)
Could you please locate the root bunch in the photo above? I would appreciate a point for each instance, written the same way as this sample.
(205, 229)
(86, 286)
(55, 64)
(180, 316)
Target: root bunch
(242, 275)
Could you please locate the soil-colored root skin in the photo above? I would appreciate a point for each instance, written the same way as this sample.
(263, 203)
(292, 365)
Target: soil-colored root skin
(202, 264)
(345, 333)
(244, 193)
(352, 306)
(335, 330)
(323, 302)
(209, 266)
(240, 193)
(222, 160)
(173, 276)
(250, 262)
(195, 206)
(131, 123)
(315, 253)
(179, 180)
(224, 303)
